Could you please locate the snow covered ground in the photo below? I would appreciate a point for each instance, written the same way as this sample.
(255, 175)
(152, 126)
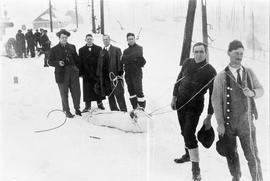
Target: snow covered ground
(81, 151)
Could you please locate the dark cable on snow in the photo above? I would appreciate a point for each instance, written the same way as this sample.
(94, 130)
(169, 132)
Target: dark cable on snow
(50, 129)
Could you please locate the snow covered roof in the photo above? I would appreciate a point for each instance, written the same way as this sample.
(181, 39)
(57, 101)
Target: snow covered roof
(56, 16)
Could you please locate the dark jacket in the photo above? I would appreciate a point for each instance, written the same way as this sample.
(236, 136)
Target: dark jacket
(194, 76)
(30, 38)
(37, 36)
(133, 59)
(88, 62)
(45, 42)
(105, 67)
(20, 39)
(67, 55)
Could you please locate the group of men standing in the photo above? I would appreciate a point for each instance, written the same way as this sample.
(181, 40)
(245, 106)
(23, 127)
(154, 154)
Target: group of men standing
(30, 43)
(231, 98)
(102, 70)
(231, 93)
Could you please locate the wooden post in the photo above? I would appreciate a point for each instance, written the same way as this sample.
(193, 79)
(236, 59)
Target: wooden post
(204, 26)
(253, 36)
(188, 30)
(76, 13)
(102, 16)
(93, 17)
(50, 11)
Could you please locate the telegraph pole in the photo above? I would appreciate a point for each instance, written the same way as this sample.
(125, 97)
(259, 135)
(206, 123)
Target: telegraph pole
(93, 17)
(102, 16)
(76, 14)
(188, 30)
(50, 11)
(204, 26)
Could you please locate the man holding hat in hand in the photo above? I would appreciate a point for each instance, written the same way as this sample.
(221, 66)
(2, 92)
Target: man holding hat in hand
(64, 58)
(235, 89)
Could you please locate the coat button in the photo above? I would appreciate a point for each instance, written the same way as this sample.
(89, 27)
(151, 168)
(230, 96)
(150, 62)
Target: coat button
(228, 95)
(228, 88)
(228, 117)
(227, 123)
(228, 110)
(228, 102)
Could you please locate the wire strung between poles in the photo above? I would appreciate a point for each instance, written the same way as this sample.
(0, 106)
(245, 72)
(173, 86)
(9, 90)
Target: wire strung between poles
(50, 129)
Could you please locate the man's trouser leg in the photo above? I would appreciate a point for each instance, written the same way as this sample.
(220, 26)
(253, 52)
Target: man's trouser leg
(75, 86)
(131, 91)
(119, 95)
(112, 103)
(137, 83)
(63, 88)
(248, 142)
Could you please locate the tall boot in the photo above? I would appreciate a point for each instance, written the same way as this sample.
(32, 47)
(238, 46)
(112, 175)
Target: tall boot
(194, 158)
(133, 101)
(184, 158)
(87, 107)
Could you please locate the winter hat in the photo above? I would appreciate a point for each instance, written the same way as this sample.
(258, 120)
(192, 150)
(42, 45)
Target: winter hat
(223, 146)
(63, 31)
(235, 44)
(206, 137)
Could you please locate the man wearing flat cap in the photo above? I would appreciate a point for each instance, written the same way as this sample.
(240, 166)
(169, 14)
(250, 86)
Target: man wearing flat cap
(64, 58)
(235, 89)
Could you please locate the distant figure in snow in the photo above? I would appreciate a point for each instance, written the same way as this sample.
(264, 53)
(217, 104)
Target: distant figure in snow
(88, 55)
(133, 62)
(194, 79)
(45, 47)
(31, 41)
(235, 89)
(64, 58)
(20, 44)
(37, 35)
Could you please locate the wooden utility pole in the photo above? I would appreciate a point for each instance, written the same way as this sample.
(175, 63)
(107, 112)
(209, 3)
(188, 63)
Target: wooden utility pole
(102, 16)
(76, 14)
(50, 11)
(204, 26)
(253, 36)
(93, 17)
(188, 30)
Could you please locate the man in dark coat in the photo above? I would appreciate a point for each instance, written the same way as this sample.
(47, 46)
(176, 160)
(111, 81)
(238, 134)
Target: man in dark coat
(195, 78)
(20, 44)
(133, 62)
(31, 40)
(45, 47)
(37, 35)
(88, 55)
(110, 71)
(64, 58)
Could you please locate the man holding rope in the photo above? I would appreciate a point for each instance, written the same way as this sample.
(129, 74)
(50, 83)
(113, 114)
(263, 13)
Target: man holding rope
(133, 62)
(110, 72)
(195, 78)
(233, 101)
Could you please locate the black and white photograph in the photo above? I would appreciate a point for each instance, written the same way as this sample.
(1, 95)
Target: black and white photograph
(134, 90)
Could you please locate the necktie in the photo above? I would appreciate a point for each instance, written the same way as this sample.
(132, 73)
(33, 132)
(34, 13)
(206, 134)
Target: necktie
(239, 81)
